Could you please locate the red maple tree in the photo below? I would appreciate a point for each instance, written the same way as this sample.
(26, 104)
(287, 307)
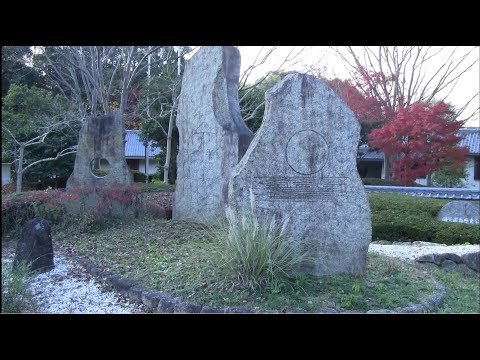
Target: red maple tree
(367, 109)
(421, 138)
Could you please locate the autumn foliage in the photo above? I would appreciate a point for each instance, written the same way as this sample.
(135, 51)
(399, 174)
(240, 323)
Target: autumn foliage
(420, 139)
(367, 109)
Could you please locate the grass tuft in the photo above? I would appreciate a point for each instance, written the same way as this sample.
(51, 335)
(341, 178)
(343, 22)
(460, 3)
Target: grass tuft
(15, 283)
(258, 252)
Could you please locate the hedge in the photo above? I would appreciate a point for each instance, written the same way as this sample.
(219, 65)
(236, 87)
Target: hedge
(383, 182)
(394, 217)
(140, 177)
(17, 209)
(406, 218)
(52, 205)
(379, 182)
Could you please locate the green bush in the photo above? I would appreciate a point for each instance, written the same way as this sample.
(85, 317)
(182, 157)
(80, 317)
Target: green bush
(158, 176)
(139, 176)
(157, 186)
(383, 182)
(259, 253)
(448, 178)
(398, 217)
(379, 182)
(15, 283)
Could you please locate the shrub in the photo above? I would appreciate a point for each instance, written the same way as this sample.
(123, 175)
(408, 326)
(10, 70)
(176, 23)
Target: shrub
(259, 253)
(15, 283)
(85, 206)
(8, 188)
(157, 186)
(158, 175)
(92, 206)
(398, 217)
(379, 182)
(154, 210)
(19, 208)
(383, 182)
(448, 178)
(140, 177)
(124, 194)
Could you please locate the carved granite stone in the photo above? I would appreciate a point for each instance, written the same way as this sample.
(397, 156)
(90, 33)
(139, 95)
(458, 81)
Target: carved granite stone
(101, 138)
(301, 165)
(213, 136)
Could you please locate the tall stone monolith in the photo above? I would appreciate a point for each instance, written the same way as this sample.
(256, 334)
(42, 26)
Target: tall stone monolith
(100, 159)
(301, 165)
(212, 134)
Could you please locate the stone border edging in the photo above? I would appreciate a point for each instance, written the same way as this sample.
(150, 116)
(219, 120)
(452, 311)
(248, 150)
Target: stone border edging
(159, 302)
(468, 263)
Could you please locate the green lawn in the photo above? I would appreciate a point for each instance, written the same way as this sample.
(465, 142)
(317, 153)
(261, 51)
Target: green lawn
(183, 259)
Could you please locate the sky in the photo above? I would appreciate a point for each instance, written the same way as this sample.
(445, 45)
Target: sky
(330, 64)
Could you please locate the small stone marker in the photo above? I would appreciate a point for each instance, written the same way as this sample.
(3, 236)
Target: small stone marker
(460, 211)
(301, 165)
(35, 246)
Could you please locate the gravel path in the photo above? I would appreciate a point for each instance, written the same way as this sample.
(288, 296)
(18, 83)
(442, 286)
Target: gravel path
(410, 252)
(68, 289)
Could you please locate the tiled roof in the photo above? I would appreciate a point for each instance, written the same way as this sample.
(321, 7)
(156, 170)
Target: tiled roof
(435, 193)
(134, 147)
(365, 153)
(471, 139)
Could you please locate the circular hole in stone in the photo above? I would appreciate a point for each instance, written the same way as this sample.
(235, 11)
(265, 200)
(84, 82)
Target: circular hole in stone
(100, 167)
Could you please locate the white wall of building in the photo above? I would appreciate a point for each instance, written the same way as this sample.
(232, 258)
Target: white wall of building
(6, 173)
(421, 181)
(152, 166)
(470, 182)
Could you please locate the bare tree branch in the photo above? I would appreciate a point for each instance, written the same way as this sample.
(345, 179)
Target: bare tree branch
(60, 154)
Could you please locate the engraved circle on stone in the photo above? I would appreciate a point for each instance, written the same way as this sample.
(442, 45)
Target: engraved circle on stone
(306, 152)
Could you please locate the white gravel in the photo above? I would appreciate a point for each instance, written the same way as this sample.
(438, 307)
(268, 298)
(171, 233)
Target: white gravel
(410, 252)
(68, 289)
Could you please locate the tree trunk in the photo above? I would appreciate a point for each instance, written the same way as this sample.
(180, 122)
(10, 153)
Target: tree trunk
(20, 169)
(387, 167)
(148, 81)
(147, 156)
(148, 114)
(429, 180)
(169, 142)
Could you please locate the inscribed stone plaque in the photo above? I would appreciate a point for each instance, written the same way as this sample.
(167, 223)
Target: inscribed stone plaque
(460, 211)
(301, 165)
